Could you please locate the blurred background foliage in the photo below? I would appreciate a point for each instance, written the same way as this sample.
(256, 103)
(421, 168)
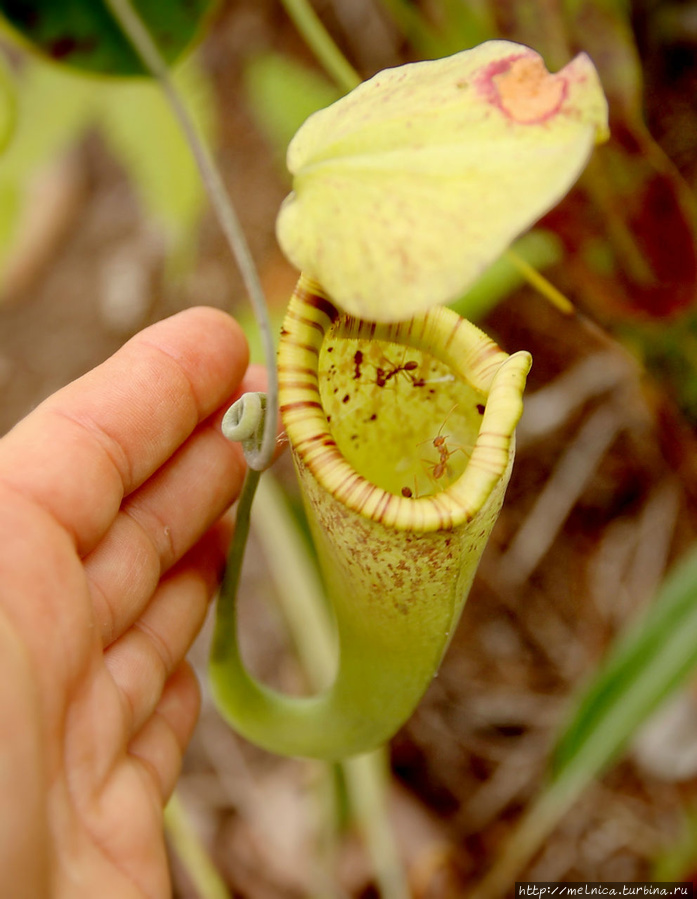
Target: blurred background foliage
(546, 748)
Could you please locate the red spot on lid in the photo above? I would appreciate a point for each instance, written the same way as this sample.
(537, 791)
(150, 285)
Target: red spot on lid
(522, 88)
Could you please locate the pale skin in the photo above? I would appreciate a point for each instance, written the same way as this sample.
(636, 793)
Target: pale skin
(111, 546)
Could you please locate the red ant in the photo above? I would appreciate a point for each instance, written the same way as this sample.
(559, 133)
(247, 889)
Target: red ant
(384, 375)
(436, 470)
(440, 468)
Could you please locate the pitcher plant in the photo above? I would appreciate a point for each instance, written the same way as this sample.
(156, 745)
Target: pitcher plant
(400, 414)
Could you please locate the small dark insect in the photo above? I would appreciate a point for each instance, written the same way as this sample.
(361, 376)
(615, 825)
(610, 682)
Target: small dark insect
(406, 491)
(383, 375)
(357, 361)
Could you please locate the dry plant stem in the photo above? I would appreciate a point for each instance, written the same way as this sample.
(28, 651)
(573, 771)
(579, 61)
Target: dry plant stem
(319, 41)
(186, 843)
(534, 827)
(306, 612)
(367, 780)
(648, 662)
(571, 474)
(142, 42)
(326, 832)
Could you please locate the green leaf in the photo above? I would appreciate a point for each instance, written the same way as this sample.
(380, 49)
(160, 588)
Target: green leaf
(138, 126)
(412, 22)
(282, 94)
(654, 657)
(469, 23)
(56, 107)
(83, 33)
(8, 104)
(538, 248)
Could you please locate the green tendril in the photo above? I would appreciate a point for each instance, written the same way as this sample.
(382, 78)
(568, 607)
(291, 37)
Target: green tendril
(225, 617)
(244, 422)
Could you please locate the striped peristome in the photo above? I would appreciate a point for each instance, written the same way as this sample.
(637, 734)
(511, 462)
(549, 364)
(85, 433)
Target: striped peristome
(473, 358)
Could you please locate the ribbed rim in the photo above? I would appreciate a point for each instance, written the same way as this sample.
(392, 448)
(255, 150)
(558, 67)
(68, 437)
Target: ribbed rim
(440, 332)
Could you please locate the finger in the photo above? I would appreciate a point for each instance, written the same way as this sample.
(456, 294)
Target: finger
(23, 782)
(143, 659)
(162, 741)
(162, 521)
(97, 440)
(158, 524)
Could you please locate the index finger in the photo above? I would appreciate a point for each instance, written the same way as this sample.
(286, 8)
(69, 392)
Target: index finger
(96, 440)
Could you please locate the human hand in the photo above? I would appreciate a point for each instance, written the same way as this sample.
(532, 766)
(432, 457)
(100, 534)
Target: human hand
(110, 548)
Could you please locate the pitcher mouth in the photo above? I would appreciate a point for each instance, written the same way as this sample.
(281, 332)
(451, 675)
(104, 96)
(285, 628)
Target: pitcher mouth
(409, 423)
